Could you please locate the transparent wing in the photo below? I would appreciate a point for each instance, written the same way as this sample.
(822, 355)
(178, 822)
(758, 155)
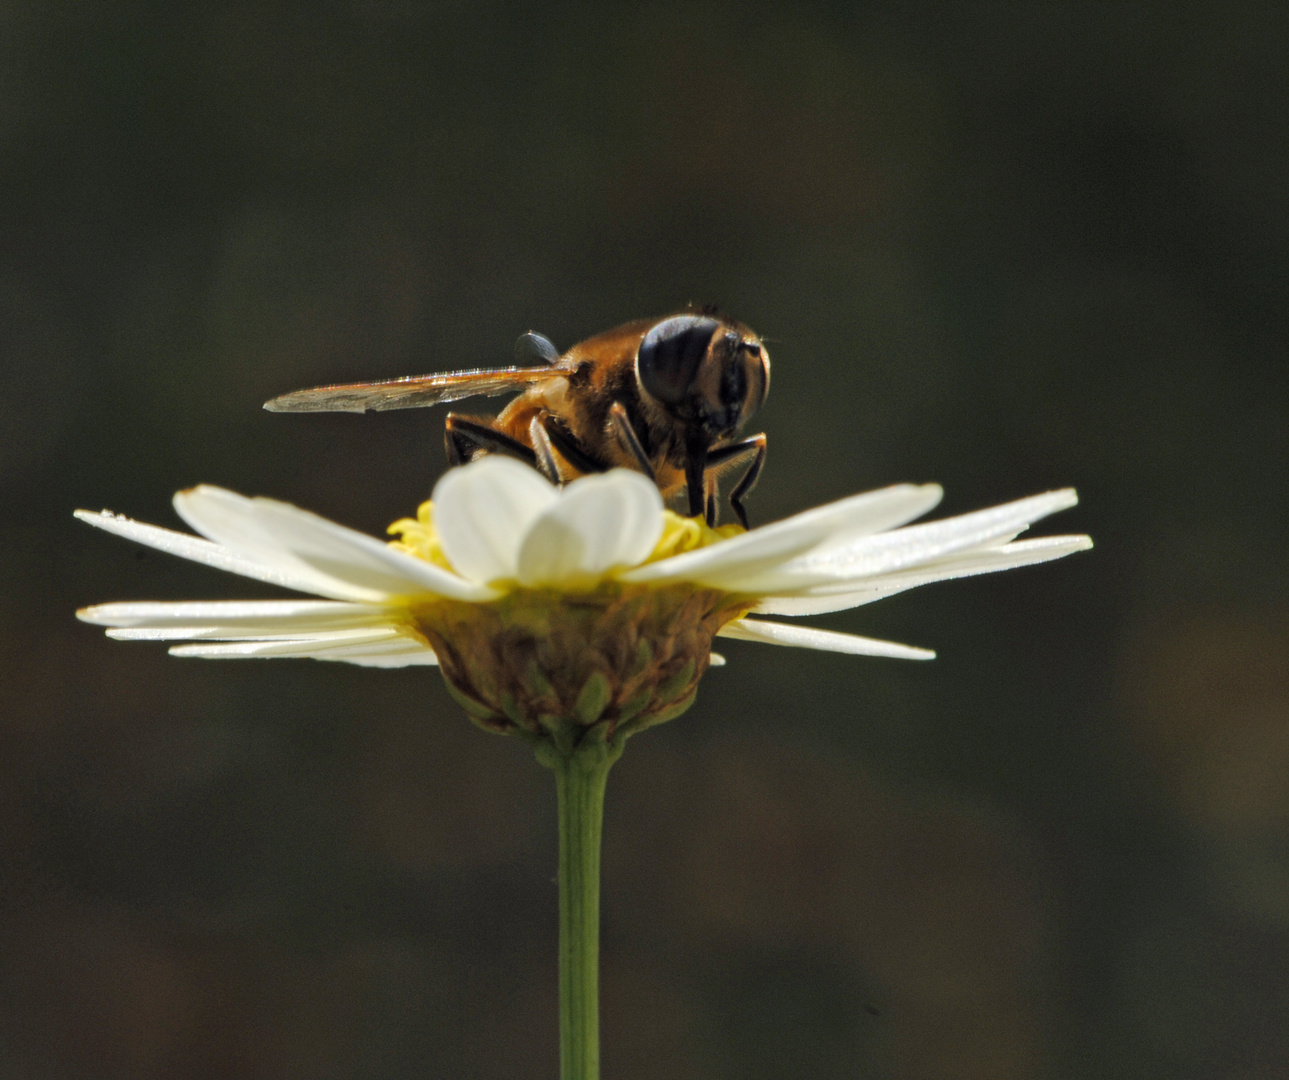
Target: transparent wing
(414, 391)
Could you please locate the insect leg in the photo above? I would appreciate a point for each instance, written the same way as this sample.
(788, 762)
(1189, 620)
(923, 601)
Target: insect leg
(545, 452)
(569, 448)
(726, 456)
(465, 438)
(696, 475)
(621, 424)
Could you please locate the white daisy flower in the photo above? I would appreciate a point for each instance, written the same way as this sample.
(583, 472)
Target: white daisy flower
(544, 605)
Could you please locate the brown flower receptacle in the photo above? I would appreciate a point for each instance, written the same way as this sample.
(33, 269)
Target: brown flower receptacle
(540, 663)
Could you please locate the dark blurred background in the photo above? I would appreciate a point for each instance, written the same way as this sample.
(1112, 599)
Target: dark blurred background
(1007, 247)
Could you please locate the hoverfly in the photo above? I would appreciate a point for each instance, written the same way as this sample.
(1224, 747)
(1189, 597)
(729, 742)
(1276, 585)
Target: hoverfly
(664, 396)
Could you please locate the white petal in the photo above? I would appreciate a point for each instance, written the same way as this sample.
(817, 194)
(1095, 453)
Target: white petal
(729, 563)
(271, 616)
(812, 603)
(323, 639)
(716, 660)
(424, 658)
(233, 632)
(599, 523)
(383, 651)
(197, 549)
(807, 637)
(818, 599)
(872, 557)
(918, 544)
(483, 510)
(402, 647)
(347, 564)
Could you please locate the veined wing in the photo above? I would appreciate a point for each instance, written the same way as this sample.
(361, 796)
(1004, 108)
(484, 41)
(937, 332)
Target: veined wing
(415, 391)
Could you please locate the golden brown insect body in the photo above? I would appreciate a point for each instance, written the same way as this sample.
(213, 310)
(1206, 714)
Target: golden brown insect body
(664, 396)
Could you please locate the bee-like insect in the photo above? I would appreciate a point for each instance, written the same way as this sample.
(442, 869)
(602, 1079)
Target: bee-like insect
(664, 396)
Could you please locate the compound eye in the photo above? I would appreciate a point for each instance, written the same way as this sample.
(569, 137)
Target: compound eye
(670, 354)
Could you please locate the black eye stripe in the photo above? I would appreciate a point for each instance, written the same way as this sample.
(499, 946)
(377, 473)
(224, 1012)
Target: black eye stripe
(733, 384)
(670, 354)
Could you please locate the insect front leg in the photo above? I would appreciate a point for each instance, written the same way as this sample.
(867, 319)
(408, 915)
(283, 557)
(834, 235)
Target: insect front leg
(466, 438)
(626, 436)
(544, 450)
(721, 458)
(696, 451)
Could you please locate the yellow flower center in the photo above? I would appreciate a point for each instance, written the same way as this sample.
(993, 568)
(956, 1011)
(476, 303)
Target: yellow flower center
(681, 534)
(417, 536)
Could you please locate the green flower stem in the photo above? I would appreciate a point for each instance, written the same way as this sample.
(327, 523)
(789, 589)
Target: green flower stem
(580, 778)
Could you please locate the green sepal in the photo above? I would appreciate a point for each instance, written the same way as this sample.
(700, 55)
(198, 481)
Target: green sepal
(560, 732)
(672, 686)
(642, 659)
(476, 710)
(593, 699)
(537, 682)
(648, 720)
(511, 708)
(597, 749)
(546, 754)
(635, 706)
